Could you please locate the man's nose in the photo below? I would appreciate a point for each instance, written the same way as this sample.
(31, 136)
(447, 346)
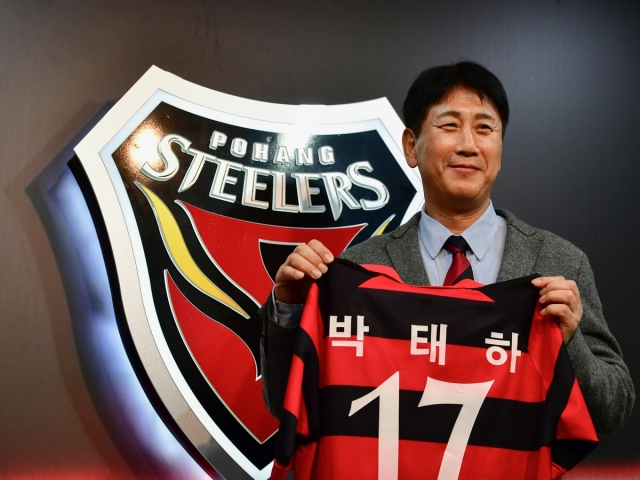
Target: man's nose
(466, 142)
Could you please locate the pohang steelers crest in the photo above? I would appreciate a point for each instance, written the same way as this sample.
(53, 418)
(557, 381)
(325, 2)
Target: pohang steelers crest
(203, 196)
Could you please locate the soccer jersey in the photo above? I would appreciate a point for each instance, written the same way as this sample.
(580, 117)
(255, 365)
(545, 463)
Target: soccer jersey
(393, 381)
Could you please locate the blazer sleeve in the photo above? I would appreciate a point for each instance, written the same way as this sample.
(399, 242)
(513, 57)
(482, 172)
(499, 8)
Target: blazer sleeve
(276, 352)
(597, 360)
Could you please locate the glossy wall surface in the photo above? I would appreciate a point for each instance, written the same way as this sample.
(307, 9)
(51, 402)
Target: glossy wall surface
(570, 69)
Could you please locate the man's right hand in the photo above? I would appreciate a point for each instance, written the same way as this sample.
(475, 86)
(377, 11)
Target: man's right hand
(307, 263)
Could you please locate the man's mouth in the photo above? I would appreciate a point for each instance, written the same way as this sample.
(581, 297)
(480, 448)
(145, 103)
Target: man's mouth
(464, 168)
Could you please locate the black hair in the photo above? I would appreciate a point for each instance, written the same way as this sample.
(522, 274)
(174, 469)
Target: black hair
(435, 83)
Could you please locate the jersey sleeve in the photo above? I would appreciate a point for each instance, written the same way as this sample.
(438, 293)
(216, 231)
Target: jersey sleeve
(574, 434)
(299, 424)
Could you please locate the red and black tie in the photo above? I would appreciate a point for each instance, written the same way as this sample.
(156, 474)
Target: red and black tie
(460, 268)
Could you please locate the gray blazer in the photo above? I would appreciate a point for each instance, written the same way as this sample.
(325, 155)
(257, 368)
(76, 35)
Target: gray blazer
(594, 352)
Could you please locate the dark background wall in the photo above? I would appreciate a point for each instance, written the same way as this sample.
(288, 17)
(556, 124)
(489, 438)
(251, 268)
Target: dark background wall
(571, 70)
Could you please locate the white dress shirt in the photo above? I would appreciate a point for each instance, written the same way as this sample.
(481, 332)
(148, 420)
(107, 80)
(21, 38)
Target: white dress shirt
(485, 238)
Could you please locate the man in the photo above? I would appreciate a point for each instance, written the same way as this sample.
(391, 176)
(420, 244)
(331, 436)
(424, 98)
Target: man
(456, 116)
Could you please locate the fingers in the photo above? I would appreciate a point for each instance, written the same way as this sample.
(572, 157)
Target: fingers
(559, 310)
(320, 250)
(548, 284)
(561, 299)
(285, 272)
(308, 261)
(544, 282)
(558, 290)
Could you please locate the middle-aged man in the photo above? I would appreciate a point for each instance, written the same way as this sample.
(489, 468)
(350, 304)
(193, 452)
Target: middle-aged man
(456, 116)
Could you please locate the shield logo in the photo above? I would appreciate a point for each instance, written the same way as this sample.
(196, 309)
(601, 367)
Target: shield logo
(203, 195)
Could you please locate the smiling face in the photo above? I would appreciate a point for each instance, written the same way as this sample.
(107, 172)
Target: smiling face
(458, 152)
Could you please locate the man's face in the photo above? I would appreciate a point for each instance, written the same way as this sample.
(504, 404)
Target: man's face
(458, 151)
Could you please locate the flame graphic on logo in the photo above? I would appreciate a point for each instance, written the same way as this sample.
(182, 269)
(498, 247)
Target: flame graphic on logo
(380, 230)
(226, 362)
(179, 252)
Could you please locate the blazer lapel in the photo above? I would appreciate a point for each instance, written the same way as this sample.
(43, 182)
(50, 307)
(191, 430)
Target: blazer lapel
(405, 254)
(521, 248)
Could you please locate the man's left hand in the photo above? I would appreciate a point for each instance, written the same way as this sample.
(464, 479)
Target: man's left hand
(561, 300)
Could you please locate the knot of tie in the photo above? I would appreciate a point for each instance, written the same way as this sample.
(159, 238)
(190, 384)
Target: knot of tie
(456, 244)
(460, 268)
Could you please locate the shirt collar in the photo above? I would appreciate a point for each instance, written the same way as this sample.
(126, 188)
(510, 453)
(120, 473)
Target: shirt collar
(479, 235)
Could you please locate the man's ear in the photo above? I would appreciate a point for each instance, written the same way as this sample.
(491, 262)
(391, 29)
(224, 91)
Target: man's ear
(409, 146)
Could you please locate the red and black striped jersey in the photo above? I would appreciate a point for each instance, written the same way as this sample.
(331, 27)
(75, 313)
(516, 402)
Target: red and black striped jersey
(393, 381)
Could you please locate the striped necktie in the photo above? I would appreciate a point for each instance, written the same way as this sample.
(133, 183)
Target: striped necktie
(460, 268)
